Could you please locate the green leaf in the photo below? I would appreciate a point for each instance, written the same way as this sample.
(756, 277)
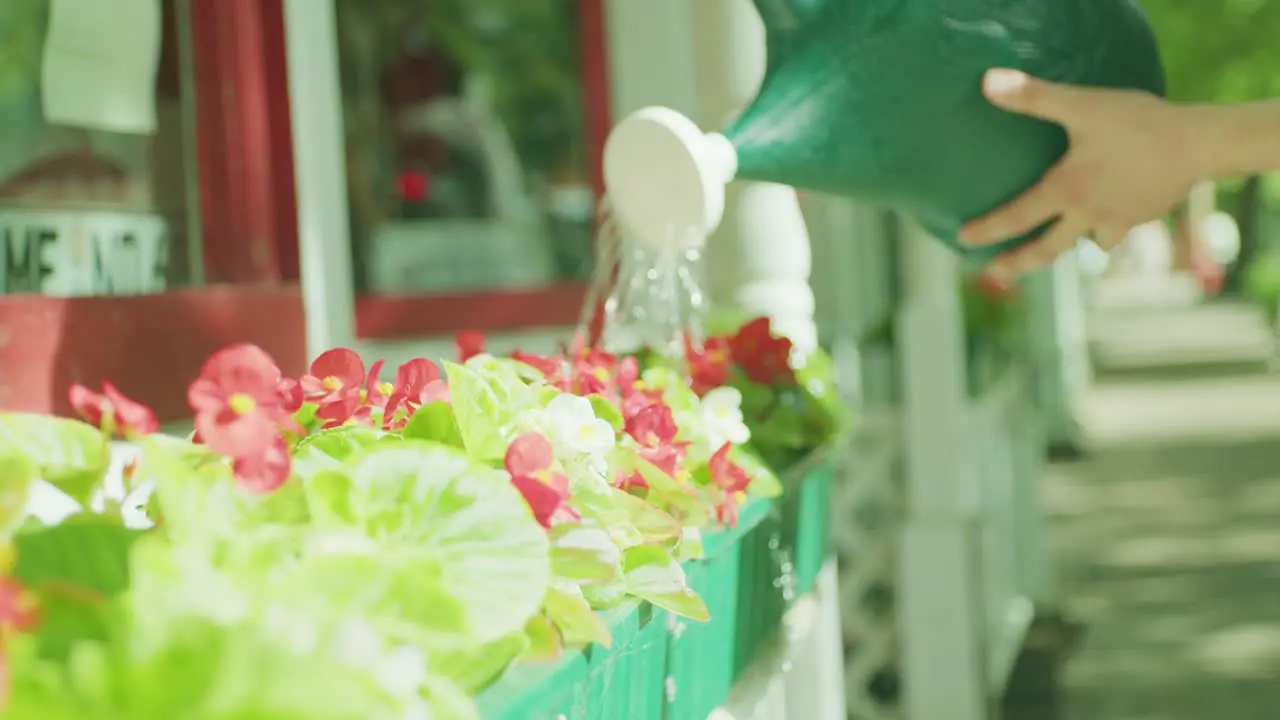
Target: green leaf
(690, 547)
(583, 552)
(606, 411)
(653, 524)
(435, 422)
(328, 449)
(17, 475)
(486, 399)
(76, 569)
(461, 520)
(573, 617)
(68, 454)
(543, 638)
(603, 597)
(664, 490)
(650, 573)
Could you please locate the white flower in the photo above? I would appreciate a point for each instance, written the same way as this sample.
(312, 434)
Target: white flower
(574, 427)
(722, 417)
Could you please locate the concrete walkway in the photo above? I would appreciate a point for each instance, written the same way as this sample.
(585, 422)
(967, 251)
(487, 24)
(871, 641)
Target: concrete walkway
(1168, 538)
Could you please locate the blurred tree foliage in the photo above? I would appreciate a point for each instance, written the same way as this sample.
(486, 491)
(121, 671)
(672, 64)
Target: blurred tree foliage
(1224, 51)
(1219, 50)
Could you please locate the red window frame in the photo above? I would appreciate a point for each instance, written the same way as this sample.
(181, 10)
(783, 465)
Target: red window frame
(385, 316)
(152, 346)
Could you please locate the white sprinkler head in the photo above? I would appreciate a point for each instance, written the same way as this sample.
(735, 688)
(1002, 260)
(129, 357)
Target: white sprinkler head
(665, 178)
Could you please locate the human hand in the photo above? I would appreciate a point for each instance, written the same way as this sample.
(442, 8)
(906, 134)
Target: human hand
(1128, 162)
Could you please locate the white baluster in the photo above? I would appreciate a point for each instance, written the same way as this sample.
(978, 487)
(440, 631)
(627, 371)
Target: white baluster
(940, 611)
(758, 261)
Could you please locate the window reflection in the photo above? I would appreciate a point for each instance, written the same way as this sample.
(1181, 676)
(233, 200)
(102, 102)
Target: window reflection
(95, 203)
(466, 154)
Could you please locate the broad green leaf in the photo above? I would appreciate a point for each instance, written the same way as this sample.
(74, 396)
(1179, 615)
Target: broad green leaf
(764, 481)
(76, 569)
(196, 495)
(606, 411)
(573, 617)
(67, 454)
(17, 474)
(650, 573)
(474, 668)
(328, 449)
(435, 422)
(461, 520)
(583, 552)
(329, 498)
(486, 401)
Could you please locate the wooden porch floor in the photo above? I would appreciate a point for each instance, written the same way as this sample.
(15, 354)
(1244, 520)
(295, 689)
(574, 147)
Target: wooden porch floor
(1168, 534)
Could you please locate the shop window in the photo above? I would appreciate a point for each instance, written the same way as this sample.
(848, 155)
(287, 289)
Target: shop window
(471, 131)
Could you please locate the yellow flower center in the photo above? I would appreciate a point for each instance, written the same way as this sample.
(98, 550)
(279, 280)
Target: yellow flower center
(242, 404)
(601, 374)
(331, 383)
(386, 388)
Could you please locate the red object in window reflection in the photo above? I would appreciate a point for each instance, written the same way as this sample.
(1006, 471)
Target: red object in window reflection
(397, 316)
(413, 186)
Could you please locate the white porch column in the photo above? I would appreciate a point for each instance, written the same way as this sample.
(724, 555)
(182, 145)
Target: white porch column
(315, 101)
(1059, 349)
(759, 259)
(941, 613)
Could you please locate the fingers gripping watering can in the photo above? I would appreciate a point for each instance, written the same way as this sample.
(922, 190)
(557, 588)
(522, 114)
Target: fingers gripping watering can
(881, 100)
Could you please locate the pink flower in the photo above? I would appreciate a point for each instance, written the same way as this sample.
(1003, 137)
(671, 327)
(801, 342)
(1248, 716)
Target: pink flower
(113, 412)
(237, 402)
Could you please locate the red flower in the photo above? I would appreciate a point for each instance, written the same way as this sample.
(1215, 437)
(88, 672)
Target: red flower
(652, 426)
(355, 404)
(413, 186)
(266, 471)
(417, 383)
(709, 365)
(113, 412)
(730, 476)
(337, 372)
(469, 344)
(290, 392)
(237, 402)
(593, 371)
(994, 287)
(552, 368)
(765, 358)
(528, 460)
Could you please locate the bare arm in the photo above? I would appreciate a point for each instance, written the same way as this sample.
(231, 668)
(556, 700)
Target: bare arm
(1133, 156)
(1241, 139)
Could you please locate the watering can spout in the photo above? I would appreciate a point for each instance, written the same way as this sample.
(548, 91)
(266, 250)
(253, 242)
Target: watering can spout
(882, 102)
(666, 177)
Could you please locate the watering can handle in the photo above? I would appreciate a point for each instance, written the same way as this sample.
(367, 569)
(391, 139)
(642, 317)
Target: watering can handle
(666, 177)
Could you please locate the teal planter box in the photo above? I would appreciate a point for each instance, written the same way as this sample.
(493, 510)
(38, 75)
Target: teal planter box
(748, 576)
(624, 681)
(666, 668)
(806, 522)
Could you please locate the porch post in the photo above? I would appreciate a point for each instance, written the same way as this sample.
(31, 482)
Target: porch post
(941, 613)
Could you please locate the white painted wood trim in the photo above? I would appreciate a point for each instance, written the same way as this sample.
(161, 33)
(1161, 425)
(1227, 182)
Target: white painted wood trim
(319, 161)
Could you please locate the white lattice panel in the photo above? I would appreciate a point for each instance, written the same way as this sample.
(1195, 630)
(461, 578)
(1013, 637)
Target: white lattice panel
(867, 520)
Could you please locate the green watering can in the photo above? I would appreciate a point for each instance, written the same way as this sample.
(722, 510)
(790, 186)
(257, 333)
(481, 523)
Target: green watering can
(881, 100)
